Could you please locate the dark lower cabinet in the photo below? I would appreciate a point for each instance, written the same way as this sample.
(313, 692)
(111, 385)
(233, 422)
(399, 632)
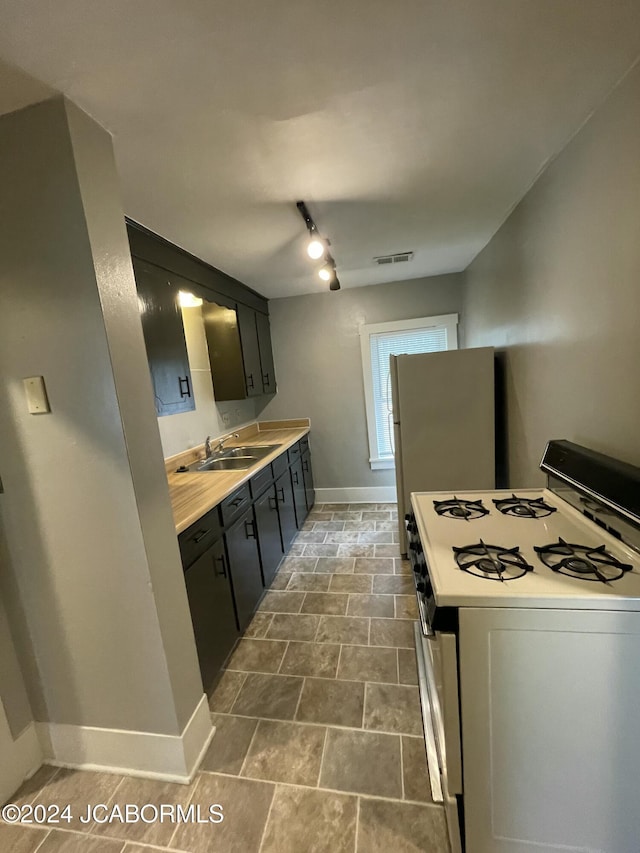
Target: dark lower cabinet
(307, 475)
(269, 538)
(212, 612)
(299, 495)
(284, 492)
(244, 565)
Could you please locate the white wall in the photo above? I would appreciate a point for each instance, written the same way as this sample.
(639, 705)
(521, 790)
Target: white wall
(558, 288)
(318, 363)
(99, 604)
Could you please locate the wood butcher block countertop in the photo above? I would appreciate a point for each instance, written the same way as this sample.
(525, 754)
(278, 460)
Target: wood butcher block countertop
(192, 494)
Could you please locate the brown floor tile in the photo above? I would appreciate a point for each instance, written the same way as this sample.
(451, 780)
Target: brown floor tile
(336, 507)
(226, 691)
(406, 607)
(296, 549)
(320, 516)
(20, 839)
(282, 602)
(353, 549)
(347, 516)
(299, 564)
(310, 537)
(403, 567)
(401, 827)
(392, 632)
(335, 564)
(362, 762)
(334, 703)
(311, 822)
(378, 537)
(309, 582)
(78, 788)
(258, 655)
(246, 806)
(394, 584)
(329, 526)
(387, 551)
(393, 708)
(286, 752)
(29, 789)
(325, 550)
(230, 743)
(360, 526)
(270, 696)
(140, 792)
(386, 525)
(287, 626)
(281, 580)
(370, 605)
(375, 515)
(414, 768)
(68, 842)
(374, 566)
(350, 583)
(366, 663)
(349, 536)
(260, 623)
(319, 660)
(331, 603)
(343, 629)
(407, 666)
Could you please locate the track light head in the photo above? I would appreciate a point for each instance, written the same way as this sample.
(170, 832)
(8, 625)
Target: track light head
(315, 247)
(327, 272)
(335, 284)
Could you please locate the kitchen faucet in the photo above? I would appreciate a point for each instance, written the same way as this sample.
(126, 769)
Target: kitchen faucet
(208, 452)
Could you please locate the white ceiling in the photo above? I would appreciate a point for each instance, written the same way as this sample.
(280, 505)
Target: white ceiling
(408, 125)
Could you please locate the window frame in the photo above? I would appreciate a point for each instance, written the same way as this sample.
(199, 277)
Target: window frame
(448, 321)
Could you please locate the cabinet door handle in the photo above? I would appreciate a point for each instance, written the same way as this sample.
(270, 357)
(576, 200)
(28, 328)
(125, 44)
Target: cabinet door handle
(223, 566)
(184, 380)
(273, 502)
(199, 536)
(281, 499)
(265, 379)
(250, 380)
(294, 476)
(305, 466)
(249, 530)
(236, 502)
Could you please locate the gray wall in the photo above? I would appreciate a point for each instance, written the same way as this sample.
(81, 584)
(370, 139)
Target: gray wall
(558, 287)
(319, 367)
(95, 595)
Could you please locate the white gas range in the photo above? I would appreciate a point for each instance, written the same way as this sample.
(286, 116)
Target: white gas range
(529, 657)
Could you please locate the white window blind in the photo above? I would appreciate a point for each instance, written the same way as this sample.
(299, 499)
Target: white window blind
(385, 345)
(379, 342)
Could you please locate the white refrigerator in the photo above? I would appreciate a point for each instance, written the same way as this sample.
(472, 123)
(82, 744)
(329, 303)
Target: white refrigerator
(443, 423)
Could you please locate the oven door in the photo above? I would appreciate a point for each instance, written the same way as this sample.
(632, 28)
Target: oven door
(438, 684)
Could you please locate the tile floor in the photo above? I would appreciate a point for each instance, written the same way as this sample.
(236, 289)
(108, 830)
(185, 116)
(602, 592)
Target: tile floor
(318, 745)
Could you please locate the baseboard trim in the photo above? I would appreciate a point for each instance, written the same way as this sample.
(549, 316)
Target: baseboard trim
(356, 495)
(173, 758)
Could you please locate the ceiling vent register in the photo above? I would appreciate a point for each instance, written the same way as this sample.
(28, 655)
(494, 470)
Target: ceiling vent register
(398, 258)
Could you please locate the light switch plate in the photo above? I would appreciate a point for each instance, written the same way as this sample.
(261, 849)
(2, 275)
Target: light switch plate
(37, 400)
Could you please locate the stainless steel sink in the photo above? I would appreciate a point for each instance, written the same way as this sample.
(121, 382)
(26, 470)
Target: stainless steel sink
(257, 450)
(231, 459)
(231, 463)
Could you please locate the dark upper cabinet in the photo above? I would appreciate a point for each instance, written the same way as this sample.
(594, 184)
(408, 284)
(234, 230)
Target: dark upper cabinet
(267, 367)
(250, 350)
(225, 351)
(212, 611)
(164, 339)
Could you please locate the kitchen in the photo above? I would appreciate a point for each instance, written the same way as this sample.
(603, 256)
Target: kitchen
(554, 290)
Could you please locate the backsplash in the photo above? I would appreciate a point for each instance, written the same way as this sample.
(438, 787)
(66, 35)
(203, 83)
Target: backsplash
(189, 429)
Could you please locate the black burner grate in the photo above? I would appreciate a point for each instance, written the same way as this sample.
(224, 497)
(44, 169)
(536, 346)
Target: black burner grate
(524, 507)
(492, 562)
(582, 561)
(461, 509)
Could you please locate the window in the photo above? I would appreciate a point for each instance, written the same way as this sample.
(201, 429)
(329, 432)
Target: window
(381, 340)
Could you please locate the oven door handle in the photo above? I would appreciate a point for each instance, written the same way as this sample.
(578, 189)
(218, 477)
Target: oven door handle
(433, 764)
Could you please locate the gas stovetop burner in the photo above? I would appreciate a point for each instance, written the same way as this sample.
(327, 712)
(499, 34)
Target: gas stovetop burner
(492, 561)
(462, 509)
(524, 507)
(581, 561)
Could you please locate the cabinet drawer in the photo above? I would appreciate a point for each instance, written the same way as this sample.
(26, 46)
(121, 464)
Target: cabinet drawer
(235, 504)
(294, 452)
(280, 465)
(195, 540)
(260, 482)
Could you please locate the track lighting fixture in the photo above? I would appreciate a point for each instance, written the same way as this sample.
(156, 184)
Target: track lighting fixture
(317, 248)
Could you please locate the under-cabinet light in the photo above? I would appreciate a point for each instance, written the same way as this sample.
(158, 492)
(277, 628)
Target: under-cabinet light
(188, 300)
